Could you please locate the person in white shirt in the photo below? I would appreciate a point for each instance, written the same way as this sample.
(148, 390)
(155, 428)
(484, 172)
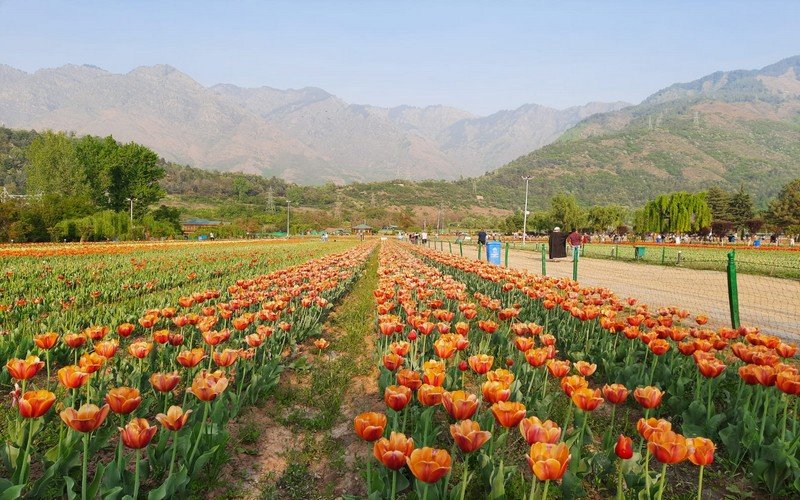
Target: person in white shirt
(424, 236)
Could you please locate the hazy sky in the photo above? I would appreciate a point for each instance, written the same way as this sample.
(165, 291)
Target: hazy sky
(479, 56)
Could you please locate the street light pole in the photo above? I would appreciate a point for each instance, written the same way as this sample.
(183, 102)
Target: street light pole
(131, 200)
(525, 213)
(287, 218)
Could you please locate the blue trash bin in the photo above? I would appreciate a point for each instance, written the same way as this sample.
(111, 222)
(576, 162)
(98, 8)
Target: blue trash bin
(757, 243)
(493, 252)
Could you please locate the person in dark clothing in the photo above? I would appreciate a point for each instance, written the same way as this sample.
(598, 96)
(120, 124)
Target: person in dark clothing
(481, 237)
(558, 244)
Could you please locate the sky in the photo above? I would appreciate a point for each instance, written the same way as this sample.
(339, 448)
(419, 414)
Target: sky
(477, 56)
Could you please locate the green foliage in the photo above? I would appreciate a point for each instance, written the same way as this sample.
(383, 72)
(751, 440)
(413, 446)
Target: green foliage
(54, 168)
(740, 207)
(679, 212)
(606, 218)
(565, 212)
(784, 211)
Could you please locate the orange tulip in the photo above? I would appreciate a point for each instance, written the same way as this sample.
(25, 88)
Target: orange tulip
(125, 329)
(165, 382)
(138, 433)
(668, 447)
(123, 400)
(481, 363)
(788, 382)
(585, 368)
(34, 404)
(468, 435)
(649, 397)
(500, 375)
(72, 376)
(558, 368)
(91, 362)
(46, 341)
(536, 431)
(549, 461)
(206, 386)
(659, 346)
(74, 340)
(647, 427)
(429, 464)
(711, 368)
(397, 397)
(701, 450)
(524, 344)
(536, 357)
(225, 358)
(393, 452)
(409, 378)
(321, 343)
(190, 359)
(508, 413)
(86, 418)
(434, 377)
(161, 336)
(573, 383)
(392, 361)
(23, 369)
(460, 404)
(106, 348)
(615, 393)
(400, 347)
(140, 349)
(587, 399)
(175, 418)
(494, 392)
(444, 348)
(369, 426)
(430, 395)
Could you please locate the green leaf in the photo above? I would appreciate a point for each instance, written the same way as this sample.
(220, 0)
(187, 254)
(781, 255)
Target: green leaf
(11, 493)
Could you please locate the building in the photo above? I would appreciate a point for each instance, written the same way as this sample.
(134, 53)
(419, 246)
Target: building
(362, 227)
(193, 226)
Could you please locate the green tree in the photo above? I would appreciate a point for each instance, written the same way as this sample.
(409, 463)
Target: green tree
(719, 202)
(54, 168)
(784, 211)
(679, 212)
(606, 217)
(565, 211)
(134, 172)
(741, 207)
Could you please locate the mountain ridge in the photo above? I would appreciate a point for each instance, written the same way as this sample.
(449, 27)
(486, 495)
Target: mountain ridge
(303, 135)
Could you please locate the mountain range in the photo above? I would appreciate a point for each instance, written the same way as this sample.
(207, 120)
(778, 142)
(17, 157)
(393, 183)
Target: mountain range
(306, 135)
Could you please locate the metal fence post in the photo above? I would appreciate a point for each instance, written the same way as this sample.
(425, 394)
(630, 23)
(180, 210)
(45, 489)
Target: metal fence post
(479, 251)
(663, 255)
(544, 262)
(733, 289)
(616, 252)
(450, 244)
(461, 248)
(575, 253)
(507, 247)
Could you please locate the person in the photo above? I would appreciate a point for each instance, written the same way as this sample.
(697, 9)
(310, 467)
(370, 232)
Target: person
(557, 242)
(424, 237)
(481, 238)
(324, 236)
(574, 239)
(361, 234)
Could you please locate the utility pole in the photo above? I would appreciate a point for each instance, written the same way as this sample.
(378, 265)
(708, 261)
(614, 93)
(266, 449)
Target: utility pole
(131, 200)
(287, 218)
(525, 213)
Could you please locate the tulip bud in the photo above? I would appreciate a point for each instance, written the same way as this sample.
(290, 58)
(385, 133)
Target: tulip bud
(624, 447)
(412, 335)
(463, 366)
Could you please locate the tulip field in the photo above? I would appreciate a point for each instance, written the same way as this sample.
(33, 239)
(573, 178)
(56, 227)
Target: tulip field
(503, 384)
(126, 367)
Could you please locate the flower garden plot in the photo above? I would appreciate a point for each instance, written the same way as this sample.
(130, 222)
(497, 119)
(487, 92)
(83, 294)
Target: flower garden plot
(731, 390)
(190, 365)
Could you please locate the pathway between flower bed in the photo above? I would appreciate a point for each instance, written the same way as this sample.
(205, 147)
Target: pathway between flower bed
(299, 442)
(772, 304)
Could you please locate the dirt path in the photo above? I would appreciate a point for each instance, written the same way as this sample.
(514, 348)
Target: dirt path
(773, 304)
(300, 443)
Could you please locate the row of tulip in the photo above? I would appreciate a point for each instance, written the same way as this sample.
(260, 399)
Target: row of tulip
(190, 365)
(542, 328)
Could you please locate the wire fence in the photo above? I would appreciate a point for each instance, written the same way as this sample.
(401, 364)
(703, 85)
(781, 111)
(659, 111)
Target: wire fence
(746, 287)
